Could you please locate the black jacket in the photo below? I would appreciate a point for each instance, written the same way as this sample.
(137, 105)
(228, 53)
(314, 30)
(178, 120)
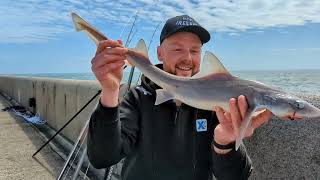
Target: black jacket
(160, 142)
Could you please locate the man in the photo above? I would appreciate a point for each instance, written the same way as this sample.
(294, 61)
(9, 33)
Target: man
(165, 141)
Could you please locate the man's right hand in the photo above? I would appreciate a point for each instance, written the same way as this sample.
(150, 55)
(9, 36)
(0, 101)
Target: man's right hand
(107, 66)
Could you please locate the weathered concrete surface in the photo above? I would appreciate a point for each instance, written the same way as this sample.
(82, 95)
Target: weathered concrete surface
(287, 149)
(18, 141)
(57, 100)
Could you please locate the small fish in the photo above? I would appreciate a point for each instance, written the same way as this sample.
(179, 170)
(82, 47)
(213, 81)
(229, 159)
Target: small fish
(212, 86)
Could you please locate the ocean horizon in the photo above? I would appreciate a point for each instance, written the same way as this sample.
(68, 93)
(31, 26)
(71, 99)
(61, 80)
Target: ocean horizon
(293, 81)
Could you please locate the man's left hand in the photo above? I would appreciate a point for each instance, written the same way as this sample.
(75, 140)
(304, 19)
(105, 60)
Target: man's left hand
(228, 128)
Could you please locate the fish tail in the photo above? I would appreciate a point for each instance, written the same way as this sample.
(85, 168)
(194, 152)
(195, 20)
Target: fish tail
(77, 21)
(82, 25)
(140, 51)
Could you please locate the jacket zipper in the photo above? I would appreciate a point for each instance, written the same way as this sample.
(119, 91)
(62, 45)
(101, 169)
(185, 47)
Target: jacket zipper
(177, 114)
(194, 154)
(179, 121)
(194, 145)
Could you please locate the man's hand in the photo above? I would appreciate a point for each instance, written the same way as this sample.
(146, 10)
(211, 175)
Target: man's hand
(228, 128)
(107, 66)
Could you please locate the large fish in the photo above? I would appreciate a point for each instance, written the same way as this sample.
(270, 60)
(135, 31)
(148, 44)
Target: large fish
(212, 86)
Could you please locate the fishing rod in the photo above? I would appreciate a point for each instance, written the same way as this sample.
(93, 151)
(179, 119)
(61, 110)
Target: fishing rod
(81, 134)
(73, 149)
(126, 24)
(109, 171)
(154, 32)
(131, 30)
(66, 124)
(75, 175)
(130, 36)
(132, 69)
(81, 158)
(133, 34)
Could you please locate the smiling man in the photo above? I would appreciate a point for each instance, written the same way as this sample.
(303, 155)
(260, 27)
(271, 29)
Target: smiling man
(184, 51)
(172, 140)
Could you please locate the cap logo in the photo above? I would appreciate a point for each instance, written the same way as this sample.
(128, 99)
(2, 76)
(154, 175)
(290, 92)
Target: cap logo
(186, 21)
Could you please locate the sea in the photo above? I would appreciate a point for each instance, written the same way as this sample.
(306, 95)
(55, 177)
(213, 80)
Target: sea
(293, 81)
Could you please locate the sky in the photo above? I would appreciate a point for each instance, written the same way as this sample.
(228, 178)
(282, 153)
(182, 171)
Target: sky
(38, 36)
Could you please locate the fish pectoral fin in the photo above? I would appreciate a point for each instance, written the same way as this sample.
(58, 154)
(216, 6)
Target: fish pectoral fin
(244, 126)
(210, 65)
(258, 112)
(163, 96)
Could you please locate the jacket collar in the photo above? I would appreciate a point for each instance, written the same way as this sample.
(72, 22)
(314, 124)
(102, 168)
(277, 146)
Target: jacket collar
(150, 85)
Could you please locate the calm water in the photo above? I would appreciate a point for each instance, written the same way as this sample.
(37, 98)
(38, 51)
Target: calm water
(294, 81)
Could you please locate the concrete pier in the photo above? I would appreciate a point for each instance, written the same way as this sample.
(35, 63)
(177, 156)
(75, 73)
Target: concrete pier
(18, 141)
(57, 100)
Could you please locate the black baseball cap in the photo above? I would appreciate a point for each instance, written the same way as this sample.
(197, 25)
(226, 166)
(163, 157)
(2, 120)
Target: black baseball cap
(184, 23)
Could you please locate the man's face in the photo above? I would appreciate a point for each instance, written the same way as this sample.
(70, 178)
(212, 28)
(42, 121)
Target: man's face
(181, 54)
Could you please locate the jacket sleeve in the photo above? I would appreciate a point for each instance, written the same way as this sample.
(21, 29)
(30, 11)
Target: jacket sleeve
(109, 138)
(233, 165)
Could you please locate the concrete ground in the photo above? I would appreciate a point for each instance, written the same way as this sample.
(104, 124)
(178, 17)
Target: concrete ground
(18, 141)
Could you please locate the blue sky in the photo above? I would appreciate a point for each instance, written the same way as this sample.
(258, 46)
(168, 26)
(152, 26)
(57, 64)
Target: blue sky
(37, 36)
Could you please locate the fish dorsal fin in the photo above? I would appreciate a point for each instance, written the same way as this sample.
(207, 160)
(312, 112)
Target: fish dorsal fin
(92, 32)
(211, 65)
(142, 48)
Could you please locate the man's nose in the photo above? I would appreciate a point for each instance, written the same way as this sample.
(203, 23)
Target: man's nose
(187, 55)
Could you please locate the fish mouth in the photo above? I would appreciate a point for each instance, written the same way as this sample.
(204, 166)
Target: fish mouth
(293, 116)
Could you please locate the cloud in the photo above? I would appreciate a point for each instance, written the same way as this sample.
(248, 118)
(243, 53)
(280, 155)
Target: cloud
(299, 50)
(25, 21)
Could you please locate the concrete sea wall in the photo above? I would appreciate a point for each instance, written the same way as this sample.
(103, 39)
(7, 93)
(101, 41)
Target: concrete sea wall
(279, 149)
(57, 100)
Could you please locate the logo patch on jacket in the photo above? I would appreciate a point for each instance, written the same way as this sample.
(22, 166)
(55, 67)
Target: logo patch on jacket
(143, 90)
(201, 125)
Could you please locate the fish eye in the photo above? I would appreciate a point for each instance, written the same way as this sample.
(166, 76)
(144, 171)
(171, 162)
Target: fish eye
(299, 104)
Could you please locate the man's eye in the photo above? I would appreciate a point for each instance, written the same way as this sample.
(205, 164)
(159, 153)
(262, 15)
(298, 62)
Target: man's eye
(177, 50)
(194, 51)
